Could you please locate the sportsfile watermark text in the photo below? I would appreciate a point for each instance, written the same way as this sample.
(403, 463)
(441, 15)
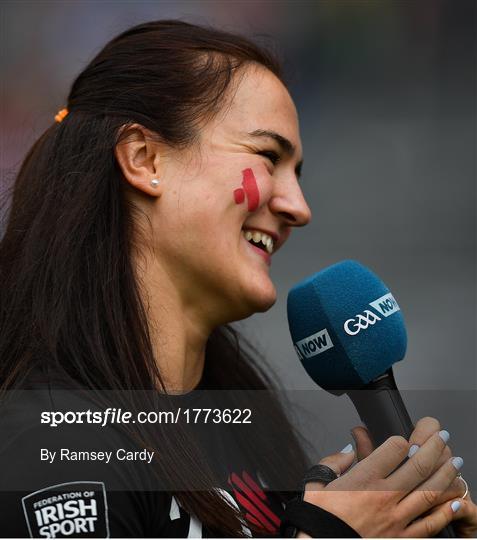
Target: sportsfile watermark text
(112, 415)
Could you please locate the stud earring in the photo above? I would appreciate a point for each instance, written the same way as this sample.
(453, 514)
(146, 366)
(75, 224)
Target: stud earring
(155, 182)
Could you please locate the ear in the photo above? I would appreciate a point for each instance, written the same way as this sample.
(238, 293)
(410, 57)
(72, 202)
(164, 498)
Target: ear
(138, 156)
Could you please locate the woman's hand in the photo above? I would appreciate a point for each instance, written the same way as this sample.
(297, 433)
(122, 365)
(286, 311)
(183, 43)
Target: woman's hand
(465, 518)
(379, 496)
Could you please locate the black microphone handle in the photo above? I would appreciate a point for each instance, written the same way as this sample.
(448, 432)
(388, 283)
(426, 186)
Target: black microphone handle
(382, 410)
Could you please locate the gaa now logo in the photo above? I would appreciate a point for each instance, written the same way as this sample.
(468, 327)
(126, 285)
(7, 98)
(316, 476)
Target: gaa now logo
(361, 322)
(386, 305)
(314, 344)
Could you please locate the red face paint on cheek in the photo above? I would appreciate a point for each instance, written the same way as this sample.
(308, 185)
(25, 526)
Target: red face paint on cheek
(239, 196)
(250, 189)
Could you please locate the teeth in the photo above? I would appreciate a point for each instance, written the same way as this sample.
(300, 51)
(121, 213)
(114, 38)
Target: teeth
(258, 236)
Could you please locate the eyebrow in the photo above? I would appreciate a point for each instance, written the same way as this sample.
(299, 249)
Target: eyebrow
(286, 146)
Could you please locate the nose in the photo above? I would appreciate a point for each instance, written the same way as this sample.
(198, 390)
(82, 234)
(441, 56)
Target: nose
(288, 202)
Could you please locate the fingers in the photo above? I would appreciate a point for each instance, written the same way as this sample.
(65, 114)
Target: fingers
(339, 463)
(364, 444)
(383, 460)
(455, 491)
(425, 428)
(432, 524)
(420, 466)
(465, 518)
(460, 513)
(430, 492)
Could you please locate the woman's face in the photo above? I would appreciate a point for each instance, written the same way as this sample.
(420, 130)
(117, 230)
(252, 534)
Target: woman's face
(227, 205)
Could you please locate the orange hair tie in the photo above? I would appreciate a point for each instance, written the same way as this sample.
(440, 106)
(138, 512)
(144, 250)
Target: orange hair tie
(61, 114)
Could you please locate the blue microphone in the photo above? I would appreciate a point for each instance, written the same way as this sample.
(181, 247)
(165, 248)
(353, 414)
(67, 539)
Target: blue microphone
(348, 332)
(346, 326)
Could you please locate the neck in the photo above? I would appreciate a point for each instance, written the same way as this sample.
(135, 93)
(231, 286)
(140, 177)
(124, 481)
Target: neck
(178, 332)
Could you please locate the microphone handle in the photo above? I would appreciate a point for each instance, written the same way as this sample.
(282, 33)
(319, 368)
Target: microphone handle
(381, 408)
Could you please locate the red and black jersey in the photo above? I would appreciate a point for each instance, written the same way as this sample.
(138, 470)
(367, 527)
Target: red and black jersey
(47, 496)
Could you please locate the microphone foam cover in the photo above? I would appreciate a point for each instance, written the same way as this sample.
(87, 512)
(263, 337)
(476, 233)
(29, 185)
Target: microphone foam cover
(346, 326)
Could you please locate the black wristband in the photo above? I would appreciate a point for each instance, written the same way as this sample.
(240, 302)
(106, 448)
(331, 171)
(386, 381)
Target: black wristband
(314, 521)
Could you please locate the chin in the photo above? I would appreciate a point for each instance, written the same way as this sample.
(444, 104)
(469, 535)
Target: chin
(250, 309)
(251, 300)
(253, 293)
(262, 299)
(266, 304)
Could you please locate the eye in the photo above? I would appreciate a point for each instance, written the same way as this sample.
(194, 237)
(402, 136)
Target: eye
(271, 155)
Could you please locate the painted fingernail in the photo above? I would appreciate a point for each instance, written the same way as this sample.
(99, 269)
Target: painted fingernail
(347, 449)
(457, 462)
(414, 448)
(455, 506)
(444, 435)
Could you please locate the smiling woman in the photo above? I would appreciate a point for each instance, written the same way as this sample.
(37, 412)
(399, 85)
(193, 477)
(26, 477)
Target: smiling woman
(144, 221)
(199, 204)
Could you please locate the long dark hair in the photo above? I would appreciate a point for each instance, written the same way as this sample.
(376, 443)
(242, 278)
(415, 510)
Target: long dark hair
(69, 293)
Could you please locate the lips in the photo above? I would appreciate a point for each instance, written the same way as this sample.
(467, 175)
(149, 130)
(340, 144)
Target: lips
(258, 251)
(271, 241)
